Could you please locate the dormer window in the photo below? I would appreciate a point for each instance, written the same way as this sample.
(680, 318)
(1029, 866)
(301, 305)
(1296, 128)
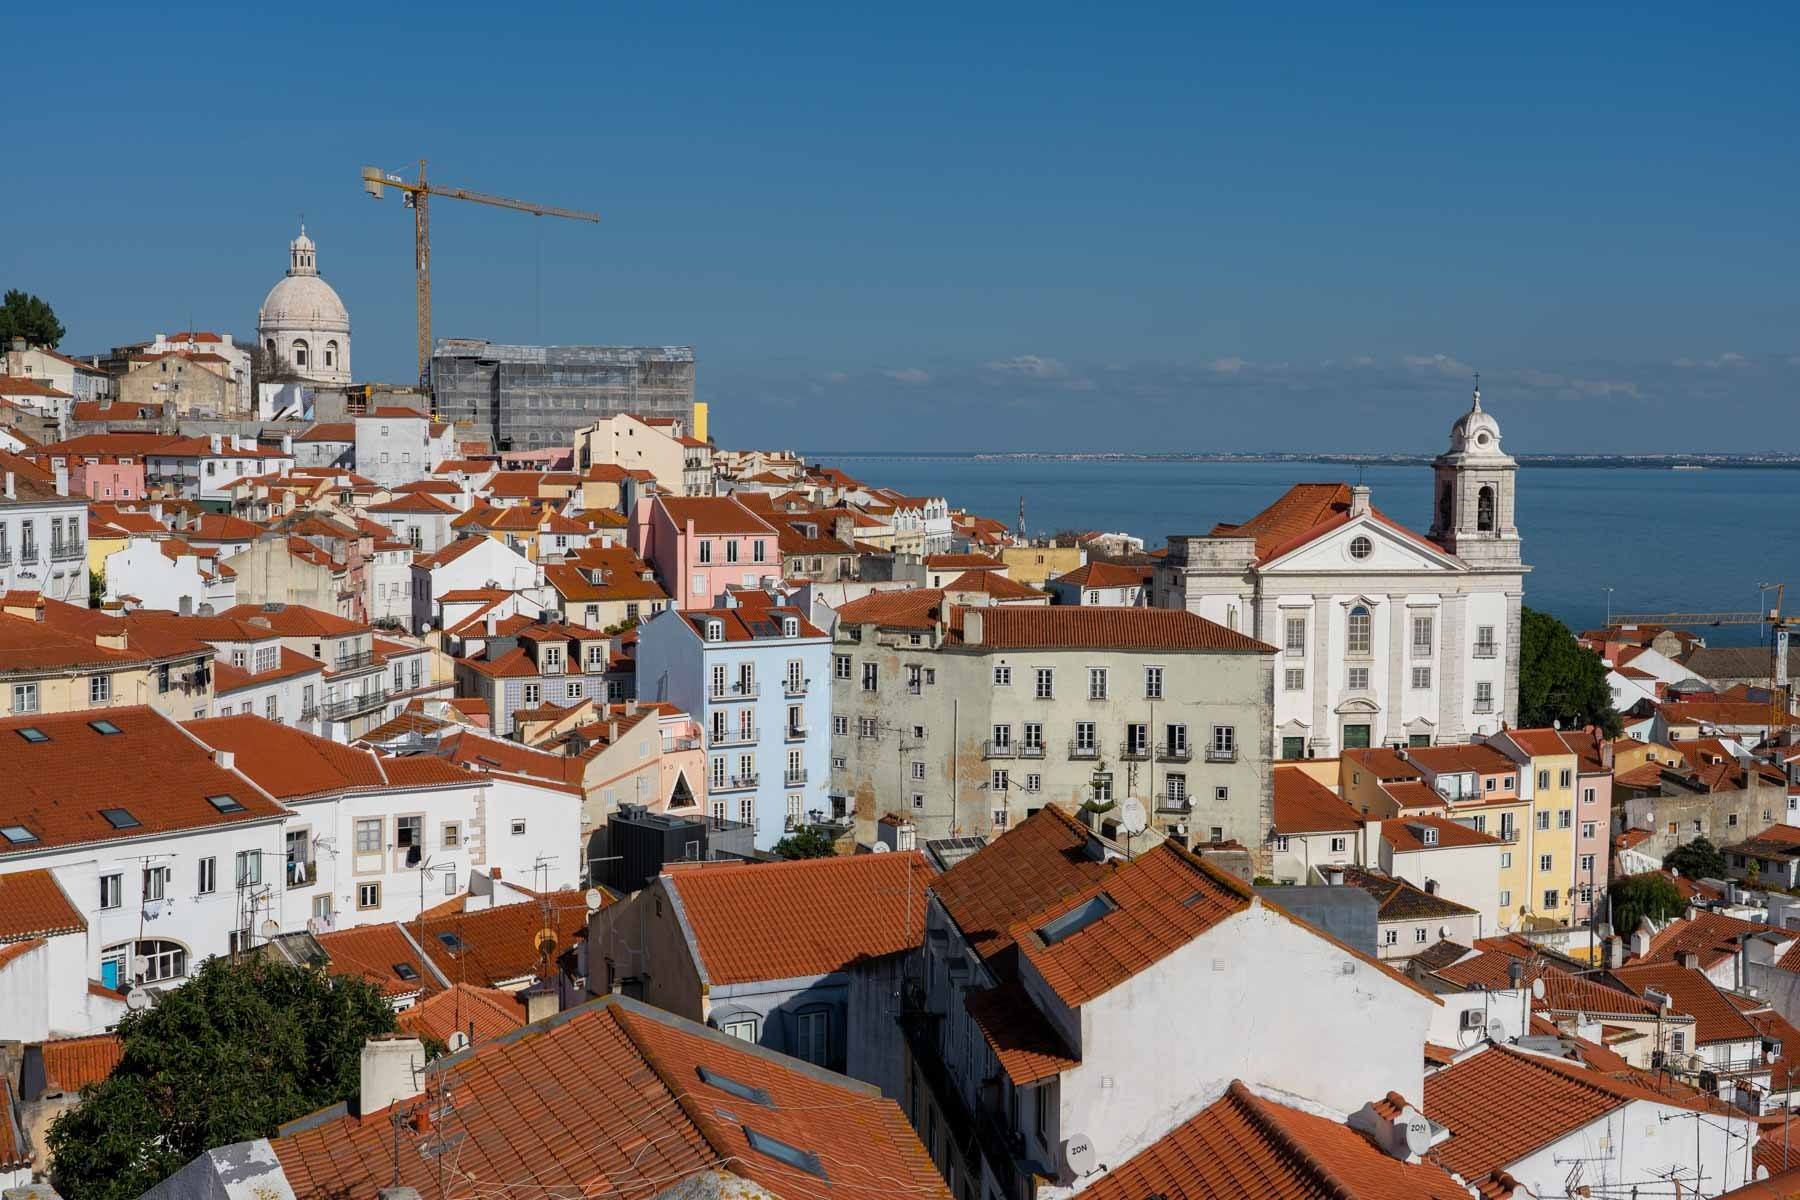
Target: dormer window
(1429, 836)
(715, 631)
(790, 627)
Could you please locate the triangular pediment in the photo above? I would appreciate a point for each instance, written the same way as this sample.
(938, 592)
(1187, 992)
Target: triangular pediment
(1365, 544)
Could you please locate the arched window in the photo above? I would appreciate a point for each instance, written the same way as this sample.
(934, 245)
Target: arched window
(270, 346)
(1446, 507)
(161, 960)
(331, 354)
(1357, 639)
(1484, 509)
(299, 353)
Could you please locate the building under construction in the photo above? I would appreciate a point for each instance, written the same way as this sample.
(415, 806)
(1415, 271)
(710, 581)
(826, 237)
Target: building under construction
(536, 397)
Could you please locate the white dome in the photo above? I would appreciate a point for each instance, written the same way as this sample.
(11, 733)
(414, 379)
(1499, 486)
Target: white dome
(1475, 432)
(304, 302)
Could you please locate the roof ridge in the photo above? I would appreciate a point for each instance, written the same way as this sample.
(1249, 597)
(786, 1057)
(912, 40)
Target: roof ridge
(1258, 1111)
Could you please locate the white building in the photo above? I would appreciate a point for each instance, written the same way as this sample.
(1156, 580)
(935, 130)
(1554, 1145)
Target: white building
(395, 446)
(43, 535)
(171, 575)
(1386, 637)
(205, 468)
(469, 564)
(755, 676)
(303, 320)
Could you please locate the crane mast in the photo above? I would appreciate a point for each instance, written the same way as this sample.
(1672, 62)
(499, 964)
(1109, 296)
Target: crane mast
(418, 193)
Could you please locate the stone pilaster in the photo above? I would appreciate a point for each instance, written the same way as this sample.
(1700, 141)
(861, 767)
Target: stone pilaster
(1509, 666)
(1454, 694)
(1398, 640)
(1324, 733)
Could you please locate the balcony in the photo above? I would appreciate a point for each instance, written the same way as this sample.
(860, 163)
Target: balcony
(735, 737)
(1031, 750)
(737, 783)
(353, 706)
(5, 558)
(28, 556)
(351, 662)
(64, 551)
(1167, 753)
(993, 749)
(794, 733)
(1135, 753)
(302, 874)
(1508, 835)
(1174, 802)
(1216, 754)
(794, 778)
(310, 712)
(1486, 650)
(795, 690)
(1084, 750)
(1484, 706)
(736, 691)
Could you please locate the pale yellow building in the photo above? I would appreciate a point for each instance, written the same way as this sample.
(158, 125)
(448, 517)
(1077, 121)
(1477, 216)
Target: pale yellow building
(58, 658)
(1035, 564)
(1549, 775)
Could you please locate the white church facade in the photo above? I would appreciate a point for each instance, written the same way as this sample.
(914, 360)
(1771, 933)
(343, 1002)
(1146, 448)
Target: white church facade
(1383, 637)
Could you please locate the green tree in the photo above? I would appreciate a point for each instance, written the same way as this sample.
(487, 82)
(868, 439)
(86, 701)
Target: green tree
(1699, 859)
(96, 588)
(229, 1056)
(1651, 894)
(23, 315)
(1559, 681)
(806, 842)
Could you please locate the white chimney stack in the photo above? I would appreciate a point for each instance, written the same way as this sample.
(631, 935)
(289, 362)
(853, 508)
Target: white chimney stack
(12, 487)
(224, 759)
(393, 1069)
(1359, 500)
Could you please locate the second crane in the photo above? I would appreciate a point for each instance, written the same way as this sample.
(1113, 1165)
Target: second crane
(418, 194)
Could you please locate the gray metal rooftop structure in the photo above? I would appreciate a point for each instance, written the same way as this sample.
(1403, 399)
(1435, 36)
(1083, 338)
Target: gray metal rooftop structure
(536, 397)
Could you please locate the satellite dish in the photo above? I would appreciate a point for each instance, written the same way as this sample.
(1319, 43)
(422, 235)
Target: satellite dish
(137, 999)
(545, 940)
(1496, 1030)
(1537, 989)
(1416, 1130)
(458, 1041)
(271, 927)
(880, 848)
(1133, 816)
(1078, 1155)
(595, 899)
(140, 966)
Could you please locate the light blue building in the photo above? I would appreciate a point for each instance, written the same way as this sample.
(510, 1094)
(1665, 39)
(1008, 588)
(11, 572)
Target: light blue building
(755, 675)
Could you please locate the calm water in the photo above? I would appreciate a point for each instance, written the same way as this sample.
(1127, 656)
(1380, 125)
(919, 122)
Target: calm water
(1693, 540)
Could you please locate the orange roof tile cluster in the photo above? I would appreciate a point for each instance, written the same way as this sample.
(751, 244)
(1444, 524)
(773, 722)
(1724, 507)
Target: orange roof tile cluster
(292, 764)
(383, 955)
(34, 905)
(995, 586)
(1102, 574)
(71, 1064)
(749, 622)
(713, 515)
(759, 921)
(899, 608)
(1712, 937)
(1028, 1047)
(68, 791)
(1245, 1147)
(629, 1103)
(1406, 834)
(479, 1013)
(494, 947)
(1716, 1018)
(1017, 627)
(1154, 905)
(1304, 805)
(1304, 512)
(1047, 857)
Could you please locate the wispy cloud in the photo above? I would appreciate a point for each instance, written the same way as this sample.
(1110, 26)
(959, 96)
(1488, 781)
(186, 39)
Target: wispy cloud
(1031, 366)
(1730, 360)
(1442, 364)
(909, 375)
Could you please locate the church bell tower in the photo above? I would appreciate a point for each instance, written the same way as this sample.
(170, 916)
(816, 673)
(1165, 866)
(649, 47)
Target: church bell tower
(1474, 491)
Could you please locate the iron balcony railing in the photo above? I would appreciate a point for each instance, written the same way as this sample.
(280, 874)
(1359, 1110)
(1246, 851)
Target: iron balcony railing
(1174, 802)
(993, 749)
(794, 778)
(343, 710)
(350, 662)
(735, 737)
(735, 691)
(300, 874)
(1220, 754)
(1484, 706)
(1168, 753)
(1031, 750)
(740, 782)
(1135, 753)
(791, 688)
(64, 551)
(1084, 750)
(1486, 650)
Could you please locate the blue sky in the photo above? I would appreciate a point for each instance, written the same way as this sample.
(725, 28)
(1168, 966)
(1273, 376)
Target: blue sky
(980, 226)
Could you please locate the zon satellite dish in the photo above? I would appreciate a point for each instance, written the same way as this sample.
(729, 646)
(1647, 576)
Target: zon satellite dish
(1496, 1030)
(1133, 816)
(1415, 1129)
(1537, 988)
(594, 899)
(880, 848)
(137, 999)
(1078, 1155)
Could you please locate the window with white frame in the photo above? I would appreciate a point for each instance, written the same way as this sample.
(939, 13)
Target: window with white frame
(1293, 679)
(1045, 684)
(1153, 683)
(1359, 632)
(998, 780)
(1339, 844)
(1002, 675)
(368, 895)
(1294, 641)
(840, 726)
(1390, 937)
(112, 890)
(1422, 635)
(1484, 696)
(1421, 678)
(1096, 683)
(871, 677)
(1357, 678)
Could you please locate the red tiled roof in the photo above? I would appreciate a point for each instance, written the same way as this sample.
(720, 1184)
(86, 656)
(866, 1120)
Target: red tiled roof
(1244, 1147)
(1716, 712)
(1414, 793)
(1028, 1046)
(71, 1064)
(25, 385)
(748, 623)
(1018, 627)
(1475, 756)
(1039, 861)
(1711, 936)
(1716, 1018)
(34, 905)
(499, 945)
(286, 762)
(758, 921)
(899, 608)
(1304, 805)
(462, 1008)
(713, 515)
(992, 583)
(1307, 511)
(57, 789)
(382, 955)
(621, 1109)
(1403, 837)
(1159, 902)
(1100, 574)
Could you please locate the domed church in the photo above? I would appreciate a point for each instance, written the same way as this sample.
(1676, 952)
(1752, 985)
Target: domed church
(303, 320)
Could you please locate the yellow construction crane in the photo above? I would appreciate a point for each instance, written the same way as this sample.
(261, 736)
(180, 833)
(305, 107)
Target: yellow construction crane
(418, 197)
(1780, 627)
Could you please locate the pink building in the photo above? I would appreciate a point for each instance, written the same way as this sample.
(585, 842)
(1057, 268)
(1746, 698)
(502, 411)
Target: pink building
(101, 466)
(701, 545)
(1593, 813)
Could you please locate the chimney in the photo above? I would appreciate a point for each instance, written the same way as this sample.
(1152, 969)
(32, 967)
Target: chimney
(631, 707)
(612, 731)
(12, 487)
(1615, 952)
(216, 441)
(1640, 943)
(541, 1002)
(393, 1066)
(62, 478)
(224, 759)
(1688, 959)
(287, 443)
(493, 623)
(972, 619)
(1359, 500)
(1606, 755)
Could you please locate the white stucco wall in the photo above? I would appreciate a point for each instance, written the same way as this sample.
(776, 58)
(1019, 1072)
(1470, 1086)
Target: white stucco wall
(1466, 874)
(1636, 1145)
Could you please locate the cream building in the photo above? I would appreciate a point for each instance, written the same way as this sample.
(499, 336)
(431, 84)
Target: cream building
(1384, 637)
(303, 320)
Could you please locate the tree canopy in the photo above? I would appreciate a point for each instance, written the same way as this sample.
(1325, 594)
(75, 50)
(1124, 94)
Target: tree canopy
(232, 1054)
(1651, 894)
(1699, 859)
(805, 842)
(23, 315)
(1559, 681)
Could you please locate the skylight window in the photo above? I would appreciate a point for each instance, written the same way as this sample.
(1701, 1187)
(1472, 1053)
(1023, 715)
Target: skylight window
(451, 942)
(104, 728)
(405, 971)
(732, 1087)
(225, 804)
(18, 835)
(1076, 919)
(781, 1152)
(33, 734)
(120, 818)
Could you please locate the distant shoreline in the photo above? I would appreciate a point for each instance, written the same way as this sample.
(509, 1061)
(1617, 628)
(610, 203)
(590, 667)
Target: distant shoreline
(1665, 462)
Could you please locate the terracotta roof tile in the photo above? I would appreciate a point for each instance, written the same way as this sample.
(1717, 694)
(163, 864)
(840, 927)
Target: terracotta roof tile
(1101, 574)
(1406, 834)
(462, 1008)
(1716, 1018)
(898, 608)
(71, 1064)
(1021, 1037)
(1018, 627)
(1713, 937)
(1039, 861)
(1304, 805)
(381, 954)
(34, 905)
(1400, 900)
(713, 515)
(758, 921)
